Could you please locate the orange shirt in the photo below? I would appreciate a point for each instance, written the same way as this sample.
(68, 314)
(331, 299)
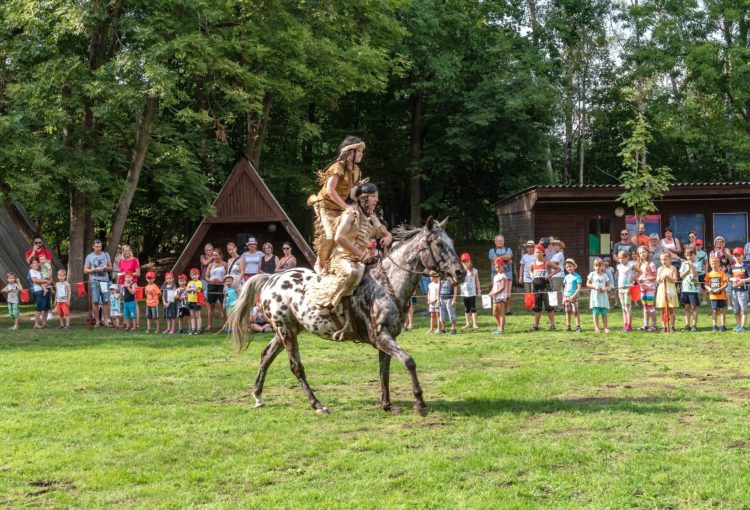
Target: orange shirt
(153, 292)
(714, 280)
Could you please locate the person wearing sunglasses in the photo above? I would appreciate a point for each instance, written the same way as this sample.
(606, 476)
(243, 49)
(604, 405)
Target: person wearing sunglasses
(287, 260)
(36, 250)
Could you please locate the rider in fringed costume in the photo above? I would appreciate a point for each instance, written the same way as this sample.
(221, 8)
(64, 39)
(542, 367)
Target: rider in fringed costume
(337, 182)
(355, 228)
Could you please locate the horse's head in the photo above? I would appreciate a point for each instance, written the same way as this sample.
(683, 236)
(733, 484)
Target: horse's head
(436, 252)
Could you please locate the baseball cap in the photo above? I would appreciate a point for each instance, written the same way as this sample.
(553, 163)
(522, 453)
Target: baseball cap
(738, 251)
(498, 262)
(465, 256)
(251, 240)
(183, 276)
(195, 270)
(168, 274)
(150, 274)
(539, 247)
(699, 242)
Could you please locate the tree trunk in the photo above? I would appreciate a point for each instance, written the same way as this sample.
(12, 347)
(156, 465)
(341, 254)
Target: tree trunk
(417, 138)
(77, 248)
(256, 131)
(134, 173)
(582, 130)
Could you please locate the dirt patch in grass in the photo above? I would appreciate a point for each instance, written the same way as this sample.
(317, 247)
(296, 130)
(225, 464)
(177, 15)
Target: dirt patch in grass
(43, 486)
(245, 398)
(740, 444)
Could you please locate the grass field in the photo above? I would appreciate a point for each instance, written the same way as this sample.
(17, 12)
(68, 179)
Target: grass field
(544, 420)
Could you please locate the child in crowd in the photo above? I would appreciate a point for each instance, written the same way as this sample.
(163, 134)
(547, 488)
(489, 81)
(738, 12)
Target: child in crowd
(115, 302)
(647, 281)
(610, 272)
(691, 288)
(168, 291)
(409, 323)
(62, 299)
(701, 260)
(470, 290)
(258, 321)
(738, 284)
(153, 293)
(524, 270)
(541, 271)
(194, 287)
(129, 290)
(716, 281)
(230, 298)
(571, 289)
(499, 296)
(433, 302)
(41, 298)
(448, 297)
(12, 292)
(182, 306)
(666, 293)
(45, 267)
(627, 273)
(598, 282)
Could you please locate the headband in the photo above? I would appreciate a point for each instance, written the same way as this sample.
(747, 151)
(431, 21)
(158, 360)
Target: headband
(352, 147)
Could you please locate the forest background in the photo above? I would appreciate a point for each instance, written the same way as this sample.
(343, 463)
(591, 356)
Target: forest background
(121, 119)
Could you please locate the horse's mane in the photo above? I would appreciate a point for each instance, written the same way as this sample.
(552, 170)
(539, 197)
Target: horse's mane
(404, 232)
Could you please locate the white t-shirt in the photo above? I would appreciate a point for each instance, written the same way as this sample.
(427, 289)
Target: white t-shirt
(498, 284)
(559, 258)
(625, 275)
(526, 260)
(61, 292)
(469, 287)
(433, 293)
(38, 275)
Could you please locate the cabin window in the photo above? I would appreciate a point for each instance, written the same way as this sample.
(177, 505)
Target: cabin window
(732, 227)
(683, 224)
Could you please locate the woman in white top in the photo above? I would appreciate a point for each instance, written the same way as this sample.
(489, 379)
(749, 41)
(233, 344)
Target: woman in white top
(672, 246)
(216, 270)
(234, 265)
(470, 289)
(251, 259)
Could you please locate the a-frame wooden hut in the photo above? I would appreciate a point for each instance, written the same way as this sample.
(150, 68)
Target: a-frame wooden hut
(245, 207)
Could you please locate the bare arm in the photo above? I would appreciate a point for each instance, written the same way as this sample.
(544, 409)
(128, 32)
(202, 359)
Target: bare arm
(340, 237)
(332, 193)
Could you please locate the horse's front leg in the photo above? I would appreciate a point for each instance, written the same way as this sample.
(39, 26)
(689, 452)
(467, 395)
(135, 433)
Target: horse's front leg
(295, 363)
(389, 346)
(269, 353)
(385, 376)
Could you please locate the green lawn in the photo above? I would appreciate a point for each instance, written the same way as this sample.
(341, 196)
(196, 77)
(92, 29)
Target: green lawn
(544, 420)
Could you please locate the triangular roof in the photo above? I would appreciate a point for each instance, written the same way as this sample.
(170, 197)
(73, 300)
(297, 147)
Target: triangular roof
(243, 200)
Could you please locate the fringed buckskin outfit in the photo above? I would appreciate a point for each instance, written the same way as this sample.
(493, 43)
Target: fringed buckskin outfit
(344, 270)
(326, 210)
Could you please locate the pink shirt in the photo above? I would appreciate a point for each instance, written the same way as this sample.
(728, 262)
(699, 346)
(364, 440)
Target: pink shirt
(127, 266)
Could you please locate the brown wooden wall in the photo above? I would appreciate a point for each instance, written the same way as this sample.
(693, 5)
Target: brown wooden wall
(517, 228)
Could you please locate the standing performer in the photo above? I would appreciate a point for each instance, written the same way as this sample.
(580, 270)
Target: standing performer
(337, 183)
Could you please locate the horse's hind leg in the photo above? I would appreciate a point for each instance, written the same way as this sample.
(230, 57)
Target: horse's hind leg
(385, 376)
(269, 353)
(295, 363)
(386, 344)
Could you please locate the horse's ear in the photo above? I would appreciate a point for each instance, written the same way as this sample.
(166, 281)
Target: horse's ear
(429, 223)
(443, 223)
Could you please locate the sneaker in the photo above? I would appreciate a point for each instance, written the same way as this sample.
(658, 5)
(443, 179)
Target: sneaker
(686, 329)
(497, 332)
(723, 328)
(197, 332)
(694, 329)
(453, 332)
(441, 332)
(567, 328)
(189, 331)
(552, 328)
(508, 313)
(740, 329)
(476, 328)
(534, 328)
(714, 329)
(60, 327)
(13, 328)
(578, 329)
(736, 328)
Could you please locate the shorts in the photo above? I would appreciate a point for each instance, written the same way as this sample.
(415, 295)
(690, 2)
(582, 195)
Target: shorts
(115, 312)
(599, 311)
(97, 296)
(13, 310)
(625, 300)
(129, 309)
(170, 311)
(447, 310)
(63, 309)
(571, 305)
(215, 294)
(690, 298)
(647, 297)
(541, 299)
(718, 303)
(42, 301)
(194, 307)
(739, 301)
(557, 284)
(434, 308)
(152, 312)
(412, 300)
(183, 312)
(528, 287)
(499, 298)
(470, 304)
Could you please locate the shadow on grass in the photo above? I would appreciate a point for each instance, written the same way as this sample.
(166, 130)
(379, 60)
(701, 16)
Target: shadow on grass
(487, 407)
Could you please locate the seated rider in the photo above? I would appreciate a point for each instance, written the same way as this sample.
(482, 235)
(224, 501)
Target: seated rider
(356, 227)
(337, 182)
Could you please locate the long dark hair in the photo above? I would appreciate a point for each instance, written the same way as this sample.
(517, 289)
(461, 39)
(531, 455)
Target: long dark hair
(340, 157)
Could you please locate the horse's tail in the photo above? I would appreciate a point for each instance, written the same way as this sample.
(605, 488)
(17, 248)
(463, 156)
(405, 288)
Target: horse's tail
(241, 309)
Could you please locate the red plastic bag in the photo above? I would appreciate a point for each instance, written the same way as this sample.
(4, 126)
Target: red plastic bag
(528, 299)
(139, 293)
(635, 292)
(25, 296)
(201, 298)
(81, 288)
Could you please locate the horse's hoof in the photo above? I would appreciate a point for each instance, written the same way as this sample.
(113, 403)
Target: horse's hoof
(259, 402)
(420, 410)
(395, 411)
(322, 410)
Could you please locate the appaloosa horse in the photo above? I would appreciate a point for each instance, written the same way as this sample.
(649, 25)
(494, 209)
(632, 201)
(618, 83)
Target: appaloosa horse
(378, 308)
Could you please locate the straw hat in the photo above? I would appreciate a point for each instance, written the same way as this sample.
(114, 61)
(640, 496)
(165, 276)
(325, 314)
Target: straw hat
(559, 243)
(571, 261)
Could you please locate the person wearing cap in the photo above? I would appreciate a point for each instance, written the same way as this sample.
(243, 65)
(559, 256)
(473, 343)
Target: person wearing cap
(558, 261)
(470, 289)
(193, 288)
(505, 253)
(180, 296)
(251, 259)
(524, 276)
(114, 305)
(98, 266)
(337, 185)
(169, 302)
(541, 271)
(738, 279)
(499, 296)
(153, 293)
(230, 298)
(572, 283)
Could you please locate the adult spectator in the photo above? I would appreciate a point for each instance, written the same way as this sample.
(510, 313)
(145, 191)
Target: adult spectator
(641, 239)
(524, 268)
(234, 264)
(672, 246)
(655, 249)
(214, 275)
(251, 259)
(269, 261)
(116, 264)
(722, 253)
(557, 261)
(505, 253)
(205, 259)
(625, 245)
(37, 248)
(287, 261)
(98, 266)
(128, 263)
(692, 237)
